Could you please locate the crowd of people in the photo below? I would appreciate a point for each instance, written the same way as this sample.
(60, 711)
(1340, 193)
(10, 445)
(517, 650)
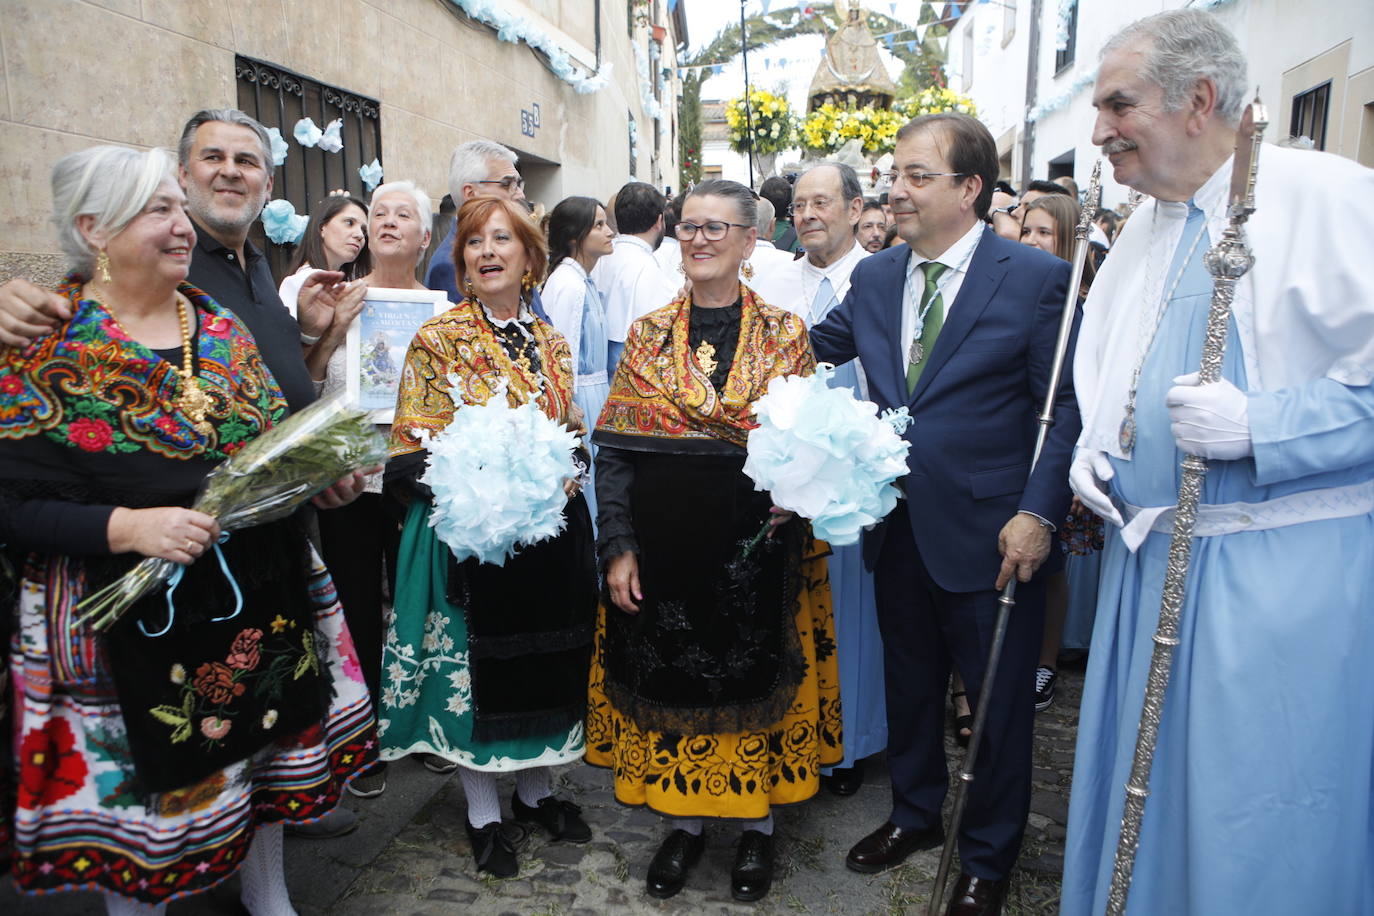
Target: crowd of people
(299, 657)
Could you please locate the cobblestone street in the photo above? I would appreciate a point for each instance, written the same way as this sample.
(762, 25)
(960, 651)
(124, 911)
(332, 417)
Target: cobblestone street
(411, 854)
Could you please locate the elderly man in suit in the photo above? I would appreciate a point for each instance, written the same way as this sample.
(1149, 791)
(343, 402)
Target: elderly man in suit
(959, 326)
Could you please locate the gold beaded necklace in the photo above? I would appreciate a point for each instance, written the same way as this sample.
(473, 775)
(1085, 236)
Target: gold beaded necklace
(193, 401)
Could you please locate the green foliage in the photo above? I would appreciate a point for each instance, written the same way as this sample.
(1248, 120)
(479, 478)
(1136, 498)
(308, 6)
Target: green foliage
(924, 66)
(689, 130)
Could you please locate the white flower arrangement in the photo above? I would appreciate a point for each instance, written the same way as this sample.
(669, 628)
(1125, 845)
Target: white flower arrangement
(497, 474)
(827, 456)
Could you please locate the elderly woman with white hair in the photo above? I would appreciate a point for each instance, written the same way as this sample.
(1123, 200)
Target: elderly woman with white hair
(360, 540)
(155, 760)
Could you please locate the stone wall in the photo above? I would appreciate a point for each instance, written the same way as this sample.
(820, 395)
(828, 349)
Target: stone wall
(78, 72)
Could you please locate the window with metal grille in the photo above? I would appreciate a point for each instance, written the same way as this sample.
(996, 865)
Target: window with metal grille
(279, 98)
(1309, 115)
(1064, 59)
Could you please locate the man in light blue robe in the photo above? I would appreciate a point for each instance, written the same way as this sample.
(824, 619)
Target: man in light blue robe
(826, 204)
(1260, 792)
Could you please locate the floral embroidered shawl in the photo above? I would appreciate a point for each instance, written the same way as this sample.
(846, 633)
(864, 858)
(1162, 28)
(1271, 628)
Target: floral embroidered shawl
(91, 413)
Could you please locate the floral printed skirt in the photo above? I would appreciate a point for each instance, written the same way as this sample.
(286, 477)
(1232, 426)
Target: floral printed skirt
(78, 825)
(426, 704)
(739, 775)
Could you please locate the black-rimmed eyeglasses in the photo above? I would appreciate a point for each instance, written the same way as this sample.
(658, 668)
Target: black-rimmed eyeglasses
(510, 181)
(714, 230)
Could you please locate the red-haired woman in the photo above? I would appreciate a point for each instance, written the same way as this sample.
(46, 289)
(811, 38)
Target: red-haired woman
(486, 666)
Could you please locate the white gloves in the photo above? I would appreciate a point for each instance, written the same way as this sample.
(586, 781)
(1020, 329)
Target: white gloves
(1089, 477)
(1209, 420)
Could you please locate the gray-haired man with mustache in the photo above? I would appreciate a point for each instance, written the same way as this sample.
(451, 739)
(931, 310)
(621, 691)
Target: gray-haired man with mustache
(1257, 803)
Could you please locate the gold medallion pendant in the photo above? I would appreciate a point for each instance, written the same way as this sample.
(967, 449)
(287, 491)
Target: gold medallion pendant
(195, 403)
(706, 356)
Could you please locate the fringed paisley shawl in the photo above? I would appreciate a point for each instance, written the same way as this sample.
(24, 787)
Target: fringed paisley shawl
(662, 398)
(460, 344)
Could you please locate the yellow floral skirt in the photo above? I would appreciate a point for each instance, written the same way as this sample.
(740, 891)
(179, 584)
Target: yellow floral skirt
(740, 774)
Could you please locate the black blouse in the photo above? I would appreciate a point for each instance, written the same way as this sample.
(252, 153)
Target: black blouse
(615, 466)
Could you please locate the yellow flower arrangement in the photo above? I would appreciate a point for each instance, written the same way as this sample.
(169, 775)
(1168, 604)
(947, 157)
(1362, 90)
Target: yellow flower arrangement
(829, 127)
(936, 99)
(774, 126)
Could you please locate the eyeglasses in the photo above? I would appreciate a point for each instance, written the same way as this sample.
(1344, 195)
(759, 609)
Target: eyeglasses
(921, 179)
(801, 206)
(510, 181)
(714, 230)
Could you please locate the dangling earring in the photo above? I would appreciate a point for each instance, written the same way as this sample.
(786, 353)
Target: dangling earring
(527, 282)
(747, 270)
(469, 290)
(102, 264)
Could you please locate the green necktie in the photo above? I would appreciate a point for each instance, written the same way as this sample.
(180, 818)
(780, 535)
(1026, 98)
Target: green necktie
(935, 320)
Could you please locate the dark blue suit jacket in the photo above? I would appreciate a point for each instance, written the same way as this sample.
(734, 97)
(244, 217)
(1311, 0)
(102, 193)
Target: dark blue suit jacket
(974, 411)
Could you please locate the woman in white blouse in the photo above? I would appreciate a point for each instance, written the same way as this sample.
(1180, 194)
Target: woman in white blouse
(335, 239)
(362, 539)
(579, 236)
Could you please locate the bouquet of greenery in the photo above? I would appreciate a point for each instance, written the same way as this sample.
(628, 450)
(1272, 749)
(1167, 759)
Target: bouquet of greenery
(265, 481)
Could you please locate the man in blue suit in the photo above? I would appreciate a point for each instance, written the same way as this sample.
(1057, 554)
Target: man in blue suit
(959, 326)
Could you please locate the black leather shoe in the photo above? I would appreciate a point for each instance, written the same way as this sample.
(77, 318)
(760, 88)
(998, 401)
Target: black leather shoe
(492, 850)
(560, 819)
(845, 781)
(752, 875)
(977, 896)
(889, 845)
(671, 864)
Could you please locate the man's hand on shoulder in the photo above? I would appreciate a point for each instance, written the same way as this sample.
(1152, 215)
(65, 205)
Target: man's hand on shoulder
(1024, 543)
(28, 311)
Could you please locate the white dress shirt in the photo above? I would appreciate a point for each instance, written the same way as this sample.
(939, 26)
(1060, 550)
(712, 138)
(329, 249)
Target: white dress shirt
(632, 283)
(565, 296)
(956, 258)
(669, 256)
(767, 260)
(793, 285)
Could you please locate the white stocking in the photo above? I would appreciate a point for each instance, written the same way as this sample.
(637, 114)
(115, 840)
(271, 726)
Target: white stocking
(264, 882)
(116, 905)
(690, 824)
(533, 785)
(484, 807)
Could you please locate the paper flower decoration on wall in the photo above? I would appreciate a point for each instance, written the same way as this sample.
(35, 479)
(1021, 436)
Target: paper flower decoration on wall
(331, 141)
(282, 223)
(306, 133)
(371, 174)
(279, 147)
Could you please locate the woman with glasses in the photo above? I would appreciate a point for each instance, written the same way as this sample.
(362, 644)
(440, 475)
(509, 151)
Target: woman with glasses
(714, 689)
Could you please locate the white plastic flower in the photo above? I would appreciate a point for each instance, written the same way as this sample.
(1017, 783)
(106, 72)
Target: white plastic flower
(497, 475)
(306, 133)
(331, 140)
(827, 456)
